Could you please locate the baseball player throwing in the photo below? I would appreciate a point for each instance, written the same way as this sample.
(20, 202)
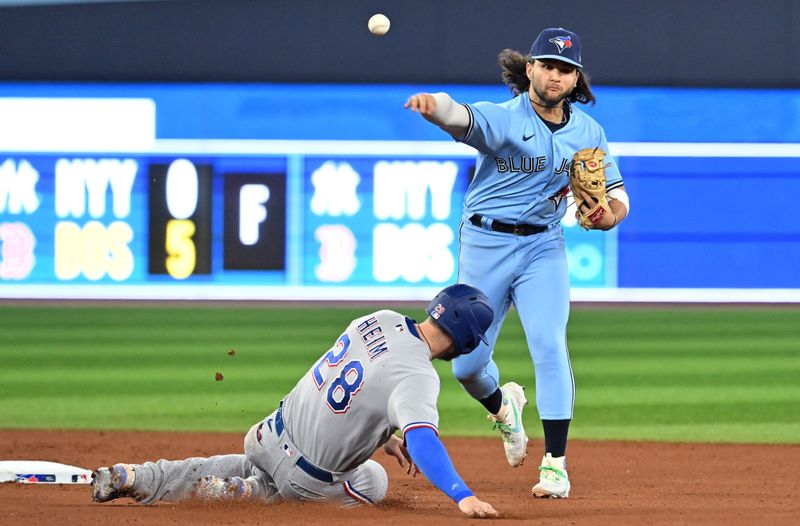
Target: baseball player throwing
(512, 244)
(376, 379)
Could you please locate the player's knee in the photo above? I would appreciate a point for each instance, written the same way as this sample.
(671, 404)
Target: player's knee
(250, 442)
(466, 372)
(551, 358)
(376, 481)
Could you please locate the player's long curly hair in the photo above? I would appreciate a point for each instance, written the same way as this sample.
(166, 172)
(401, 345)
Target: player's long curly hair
(512, 63)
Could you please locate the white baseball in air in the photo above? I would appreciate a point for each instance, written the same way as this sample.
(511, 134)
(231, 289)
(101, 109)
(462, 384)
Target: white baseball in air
(378, 24)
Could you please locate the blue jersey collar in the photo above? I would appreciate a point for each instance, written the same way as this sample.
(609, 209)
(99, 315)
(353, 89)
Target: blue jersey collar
(412, 327)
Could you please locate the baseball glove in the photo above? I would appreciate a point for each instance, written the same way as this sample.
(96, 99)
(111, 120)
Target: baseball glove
(588, 173)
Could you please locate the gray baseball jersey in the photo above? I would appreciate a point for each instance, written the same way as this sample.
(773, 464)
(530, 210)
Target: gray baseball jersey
(376, 379)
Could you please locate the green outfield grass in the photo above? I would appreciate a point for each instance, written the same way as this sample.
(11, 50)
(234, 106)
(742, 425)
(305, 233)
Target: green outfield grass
(727, 375)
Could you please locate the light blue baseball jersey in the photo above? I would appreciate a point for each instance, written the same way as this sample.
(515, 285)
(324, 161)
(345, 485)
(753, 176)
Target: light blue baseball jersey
(523, 167)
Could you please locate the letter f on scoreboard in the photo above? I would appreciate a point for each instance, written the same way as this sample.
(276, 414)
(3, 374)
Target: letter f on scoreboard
(254, 234)
(252, 211)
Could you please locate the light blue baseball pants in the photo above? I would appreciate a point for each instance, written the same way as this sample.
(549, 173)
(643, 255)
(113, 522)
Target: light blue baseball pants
(531, 272)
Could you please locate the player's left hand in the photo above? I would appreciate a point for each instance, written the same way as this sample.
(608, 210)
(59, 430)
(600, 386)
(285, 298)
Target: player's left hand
(394, 447)
(476, 508)
(607, 220)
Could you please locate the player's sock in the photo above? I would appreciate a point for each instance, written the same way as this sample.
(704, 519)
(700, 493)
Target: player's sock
(555, 436)
(493, 402)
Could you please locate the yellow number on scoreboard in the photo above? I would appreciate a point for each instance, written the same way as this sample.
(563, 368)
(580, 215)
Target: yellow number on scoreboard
(181, 258)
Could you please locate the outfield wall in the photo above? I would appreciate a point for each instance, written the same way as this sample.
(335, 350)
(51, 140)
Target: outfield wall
(335, 192)
(735, 43)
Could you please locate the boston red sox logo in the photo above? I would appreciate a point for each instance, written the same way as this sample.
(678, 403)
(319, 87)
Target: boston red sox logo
(562, 43)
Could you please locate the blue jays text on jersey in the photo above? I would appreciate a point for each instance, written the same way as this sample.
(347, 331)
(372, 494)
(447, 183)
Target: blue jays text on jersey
(525, 164)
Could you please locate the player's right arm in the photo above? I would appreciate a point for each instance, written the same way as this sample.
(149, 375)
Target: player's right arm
(441, 110)
(483, 125)
(412, 409)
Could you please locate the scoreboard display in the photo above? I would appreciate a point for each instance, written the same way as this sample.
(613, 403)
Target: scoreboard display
(360, 221)
(255, 192)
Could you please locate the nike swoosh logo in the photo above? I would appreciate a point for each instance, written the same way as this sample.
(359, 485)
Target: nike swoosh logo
(527, 137)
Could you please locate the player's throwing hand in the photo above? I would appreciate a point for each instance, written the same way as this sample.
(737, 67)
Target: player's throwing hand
(476, 508)
(424, 103)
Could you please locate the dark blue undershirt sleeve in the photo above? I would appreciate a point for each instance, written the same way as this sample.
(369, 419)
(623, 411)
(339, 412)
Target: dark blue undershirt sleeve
(430, 456)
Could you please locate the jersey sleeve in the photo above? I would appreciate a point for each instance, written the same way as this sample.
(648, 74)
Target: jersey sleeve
(613, 176)
(412, 404)
(488, 124)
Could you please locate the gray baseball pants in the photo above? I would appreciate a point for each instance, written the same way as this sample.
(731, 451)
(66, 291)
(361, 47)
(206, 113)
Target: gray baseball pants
(275, 467)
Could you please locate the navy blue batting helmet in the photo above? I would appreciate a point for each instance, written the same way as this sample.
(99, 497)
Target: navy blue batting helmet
(464, 313)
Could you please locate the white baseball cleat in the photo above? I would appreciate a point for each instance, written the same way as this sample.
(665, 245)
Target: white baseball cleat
(112, 483)
(553, 479)
(515, 441)
(217, 488)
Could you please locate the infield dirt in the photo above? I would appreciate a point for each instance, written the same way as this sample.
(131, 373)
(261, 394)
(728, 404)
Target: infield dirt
(620, 483)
